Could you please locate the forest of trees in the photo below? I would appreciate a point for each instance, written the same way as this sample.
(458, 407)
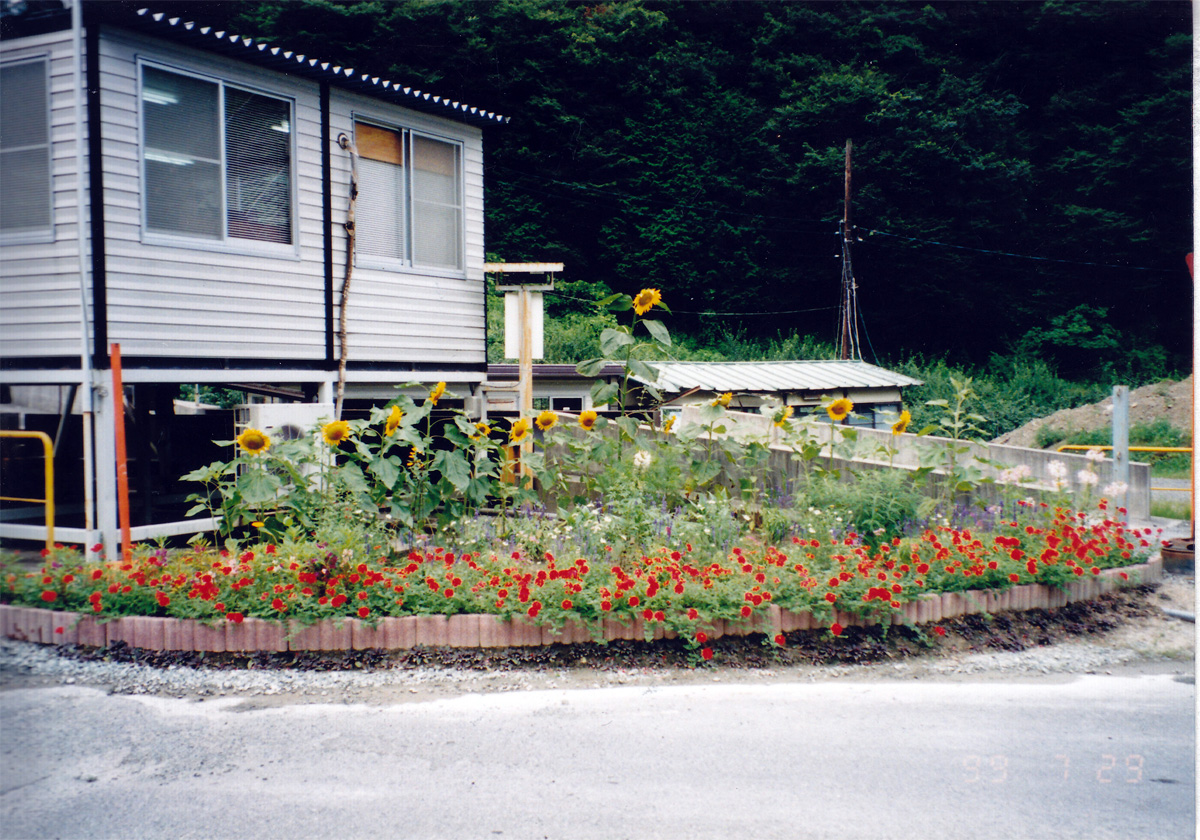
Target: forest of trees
(1022, 170)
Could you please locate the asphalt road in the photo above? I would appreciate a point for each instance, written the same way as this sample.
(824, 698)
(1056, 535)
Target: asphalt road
(1090, 757)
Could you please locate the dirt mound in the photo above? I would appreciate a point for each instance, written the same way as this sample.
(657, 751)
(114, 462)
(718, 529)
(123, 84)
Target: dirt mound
(1172, 400)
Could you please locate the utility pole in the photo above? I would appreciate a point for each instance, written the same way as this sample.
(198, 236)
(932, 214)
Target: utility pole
(848, 332)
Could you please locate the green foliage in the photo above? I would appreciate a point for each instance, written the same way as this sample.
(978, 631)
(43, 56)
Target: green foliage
(1160, 432)
(879, 506)
(673, 142)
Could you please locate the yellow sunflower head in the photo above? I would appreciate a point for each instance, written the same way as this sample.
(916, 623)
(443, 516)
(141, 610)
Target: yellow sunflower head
(839, 409)
(782, 415)
(546, 420)
(436, 393)
(901, 425)
(646, 299)
(482, 430)
(670, 424)
(253, 441)
(335, 432)
(724, 399)
(393, 421)
(519, 430)
(587, 420)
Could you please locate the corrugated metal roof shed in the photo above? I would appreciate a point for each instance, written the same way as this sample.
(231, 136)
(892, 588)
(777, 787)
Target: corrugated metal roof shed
(817, 375)
(186, 31)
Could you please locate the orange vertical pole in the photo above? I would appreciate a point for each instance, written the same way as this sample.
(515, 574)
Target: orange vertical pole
(122, 463)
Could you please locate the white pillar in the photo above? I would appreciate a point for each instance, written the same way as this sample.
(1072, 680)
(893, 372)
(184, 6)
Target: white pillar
(107, 520)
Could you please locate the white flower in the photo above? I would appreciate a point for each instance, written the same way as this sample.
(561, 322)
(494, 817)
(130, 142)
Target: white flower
(642, 459)
(1117, 488)
(1095, 455)
(1017, 474)
(1087, 477)
(1057, 470)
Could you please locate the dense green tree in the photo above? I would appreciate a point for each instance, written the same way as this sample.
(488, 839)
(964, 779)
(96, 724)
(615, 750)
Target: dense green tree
(1013, 161)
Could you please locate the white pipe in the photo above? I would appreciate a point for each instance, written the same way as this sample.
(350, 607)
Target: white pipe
(85, 353)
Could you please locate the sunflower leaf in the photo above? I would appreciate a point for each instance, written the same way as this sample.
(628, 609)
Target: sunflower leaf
(659, 331)
(611, 341)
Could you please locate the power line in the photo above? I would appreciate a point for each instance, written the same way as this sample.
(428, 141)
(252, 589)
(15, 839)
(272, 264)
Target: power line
(707, 311)
(1009, 253)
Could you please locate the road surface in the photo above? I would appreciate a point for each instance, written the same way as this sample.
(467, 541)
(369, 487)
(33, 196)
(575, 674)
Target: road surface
(1057, 757)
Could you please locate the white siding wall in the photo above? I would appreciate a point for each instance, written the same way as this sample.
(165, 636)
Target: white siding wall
(410, 316)
(203, 302)
(206, 301)
(39, 283)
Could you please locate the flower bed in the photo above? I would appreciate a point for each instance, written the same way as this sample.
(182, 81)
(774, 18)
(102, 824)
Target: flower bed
(473, 630)
(265, 599)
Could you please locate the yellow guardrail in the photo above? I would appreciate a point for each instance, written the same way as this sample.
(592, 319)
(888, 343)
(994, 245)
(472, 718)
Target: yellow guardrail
(48, 499)
(1187, 449)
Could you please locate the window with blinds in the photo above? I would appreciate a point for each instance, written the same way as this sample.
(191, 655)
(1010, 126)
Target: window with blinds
(25, 187)
(217, 160)
(410, 206)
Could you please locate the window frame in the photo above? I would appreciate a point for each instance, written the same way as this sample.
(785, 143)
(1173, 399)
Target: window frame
(38, 236)
(226, 243)
(407, 264)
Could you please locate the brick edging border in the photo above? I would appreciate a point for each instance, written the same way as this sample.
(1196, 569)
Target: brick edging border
(33, 624)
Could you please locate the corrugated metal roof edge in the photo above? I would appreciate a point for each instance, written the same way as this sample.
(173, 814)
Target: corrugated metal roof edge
(895, 379)
(161, 24)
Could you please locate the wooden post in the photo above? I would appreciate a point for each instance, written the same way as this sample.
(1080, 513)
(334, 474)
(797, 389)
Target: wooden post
(122, 461)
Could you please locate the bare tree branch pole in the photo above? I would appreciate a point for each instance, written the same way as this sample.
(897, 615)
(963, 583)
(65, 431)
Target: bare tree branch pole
(343, 349)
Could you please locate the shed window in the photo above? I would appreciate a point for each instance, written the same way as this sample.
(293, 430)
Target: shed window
(217, 159)
(410, 206)
(25, 211)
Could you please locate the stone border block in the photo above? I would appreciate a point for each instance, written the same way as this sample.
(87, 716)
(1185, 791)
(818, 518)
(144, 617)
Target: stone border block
(463, 631)
(432, 631)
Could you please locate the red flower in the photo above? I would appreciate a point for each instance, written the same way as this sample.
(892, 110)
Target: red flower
(1014, 577)
(49, 596)
(648, 614)
(362, 596)
(235, 617)
(163, 599)
(566, 604)
(363, 612)
(58, 630)
(941, 631)
(701, 638)
(746, 611)
(706, 654)
(634, 600)
(692, 614)
(277, 604)
(97, 574)
(830, 597)
(780, 640)
(836, 629)
(338, 600)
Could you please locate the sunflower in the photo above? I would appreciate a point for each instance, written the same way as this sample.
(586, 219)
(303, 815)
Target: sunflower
(253, 441)
(587, 420)
(839, 409)
(482, 430)
(393, 421)
(670, 424)
(724, 399)
(335, 432)
(546, 420)
(782, 415)
(436, 393)
(901, 425)
(646, 299)
(519, 430)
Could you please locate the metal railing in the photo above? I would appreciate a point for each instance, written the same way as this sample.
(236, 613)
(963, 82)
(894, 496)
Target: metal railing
(48, 499)
(1175, 449)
